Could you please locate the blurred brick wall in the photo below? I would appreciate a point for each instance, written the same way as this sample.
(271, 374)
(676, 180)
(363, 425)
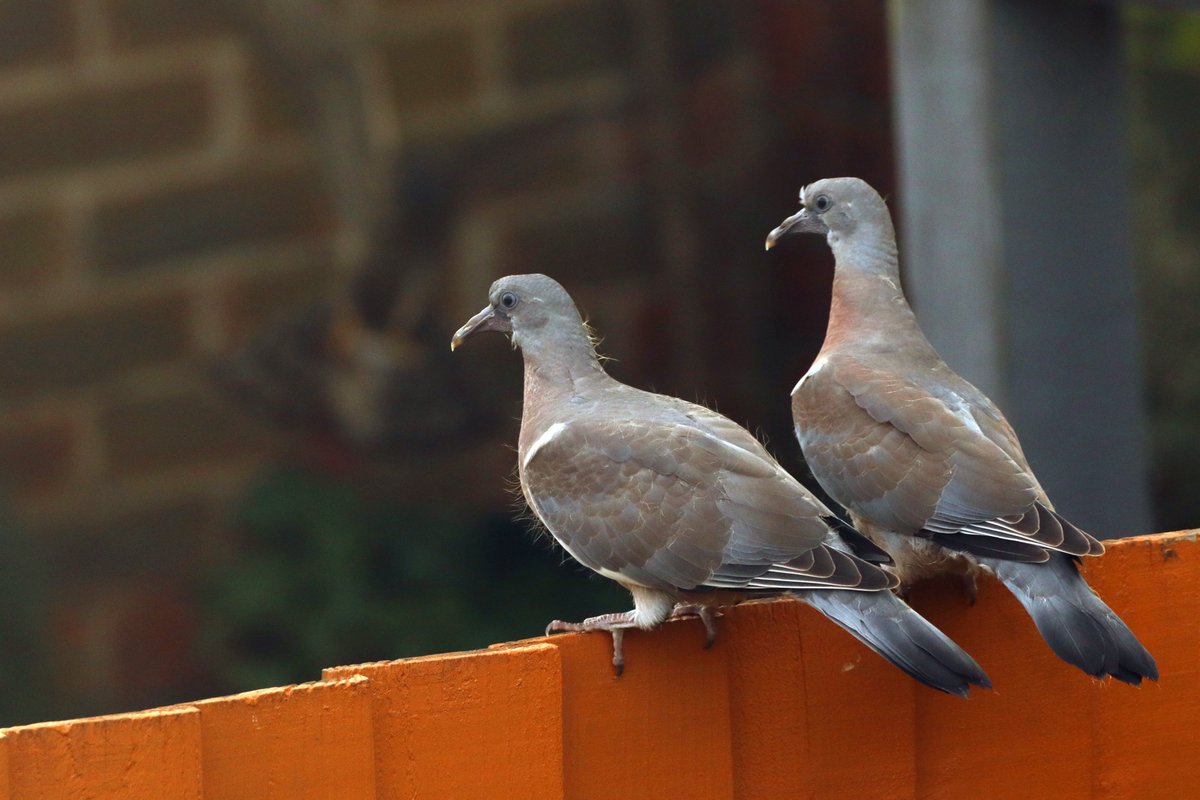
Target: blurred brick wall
(156, 201)
(160, 202)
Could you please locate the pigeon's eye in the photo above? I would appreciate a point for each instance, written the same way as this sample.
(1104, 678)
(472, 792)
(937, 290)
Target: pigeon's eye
(822, 203)
(508, 300)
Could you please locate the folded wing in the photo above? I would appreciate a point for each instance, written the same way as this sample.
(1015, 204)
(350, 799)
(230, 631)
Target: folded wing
(667, 503)
(941, 463)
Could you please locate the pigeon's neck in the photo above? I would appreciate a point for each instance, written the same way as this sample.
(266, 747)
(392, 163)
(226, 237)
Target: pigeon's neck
(868, 308)
(559, 368)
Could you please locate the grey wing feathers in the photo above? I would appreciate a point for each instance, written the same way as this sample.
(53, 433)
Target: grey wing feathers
(616, 515)
(859, 544)
(938, 460)
(667, 504)
(1025, 537)
(827, 568)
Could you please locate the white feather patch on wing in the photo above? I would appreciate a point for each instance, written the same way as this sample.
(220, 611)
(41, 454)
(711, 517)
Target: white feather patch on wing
(543, 440)
(813, 370)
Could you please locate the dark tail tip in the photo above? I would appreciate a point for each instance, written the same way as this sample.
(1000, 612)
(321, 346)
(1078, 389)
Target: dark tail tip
(1094, 639)
(884, 623)
(1134, 661)
(1077, 625)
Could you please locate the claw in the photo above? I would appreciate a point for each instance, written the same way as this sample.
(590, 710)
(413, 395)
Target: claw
(707, 614)
(614, 624)
(709, 618)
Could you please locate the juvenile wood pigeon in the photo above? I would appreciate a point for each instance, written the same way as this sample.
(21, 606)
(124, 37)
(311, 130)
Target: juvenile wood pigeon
(926, 464)
(680, 505)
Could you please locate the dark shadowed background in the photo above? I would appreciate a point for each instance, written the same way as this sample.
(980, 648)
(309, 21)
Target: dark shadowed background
(236, 235)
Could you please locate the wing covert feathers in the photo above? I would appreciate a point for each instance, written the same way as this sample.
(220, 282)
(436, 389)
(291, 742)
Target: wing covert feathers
(923, 463)
(668, 504)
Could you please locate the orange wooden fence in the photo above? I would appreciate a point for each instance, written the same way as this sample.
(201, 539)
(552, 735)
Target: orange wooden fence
(784, 706)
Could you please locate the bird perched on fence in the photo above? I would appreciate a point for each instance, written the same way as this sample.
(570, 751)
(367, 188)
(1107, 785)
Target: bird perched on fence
(680, 505)
(926, 464)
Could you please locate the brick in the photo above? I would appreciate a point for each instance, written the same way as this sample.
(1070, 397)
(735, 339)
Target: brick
(146, 436)
(838, 50)
(70, 352)
(434, 69)
(269, 300)
(630, 320)
(283, 372)
(155, 641)
(555, 154)
(82, 644)
(276, 107)
(248, 207)
(31, 248)
(33, 31)
(36, 454)
(90, 128)
(140, 23)
(570, 41)
(600, 242)
(138, 545)
(126, 646)
(704, 31)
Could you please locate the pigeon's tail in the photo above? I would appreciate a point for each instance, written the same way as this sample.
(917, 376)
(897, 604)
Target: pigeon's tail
(1073, 620)
(885, 623)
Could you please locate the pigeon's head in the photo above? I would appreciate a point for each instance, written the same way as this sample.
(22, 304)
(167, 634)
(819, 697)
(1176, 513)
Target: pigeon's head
(836, 207)
(524, 306)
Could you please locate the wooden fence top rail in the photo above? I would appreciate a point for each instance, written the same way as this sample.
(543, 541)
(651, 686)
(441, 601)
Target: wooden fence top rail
(785, 705)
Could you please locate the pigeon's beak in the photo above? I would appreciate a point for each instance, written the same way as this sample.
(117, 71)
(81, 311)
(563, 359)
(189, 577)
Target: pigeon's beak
(800, 222)
(486, 320)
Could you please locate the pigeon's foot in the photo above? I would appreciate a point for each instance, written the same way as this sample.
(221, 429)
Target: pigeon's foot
(615, 624)
(707, 614)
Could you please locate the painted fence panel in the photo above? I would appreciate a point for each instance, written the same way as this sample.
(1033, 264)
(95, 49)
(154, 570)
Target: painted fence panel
(152, 755)
(479, 724)
(309, 742)
(784, 705)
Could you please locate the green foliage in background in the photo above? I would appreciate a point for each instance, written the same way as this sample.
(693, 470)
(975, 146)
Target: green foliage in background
(325, 576)
(1164, 76)
(24, 618)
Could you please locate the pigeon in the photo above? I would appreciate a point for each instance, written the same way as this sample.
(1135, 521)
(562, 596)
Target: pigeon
(680, 505)
(925, 463)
